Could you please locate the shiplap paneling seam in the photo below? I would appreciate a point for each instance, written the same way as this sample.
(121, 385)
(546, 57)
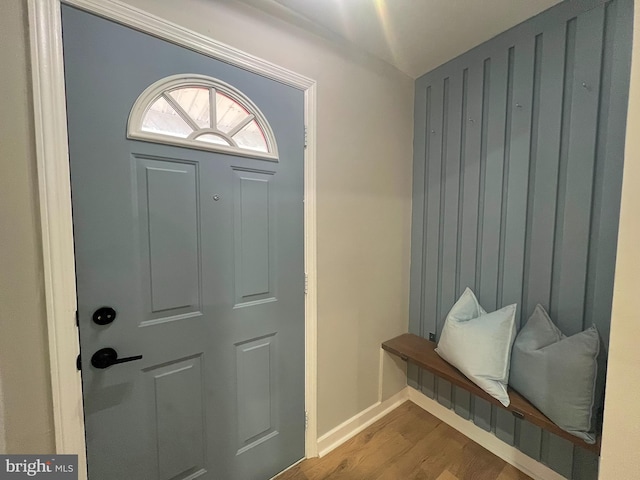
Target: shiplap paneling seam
(442, 395)
(518, 183)
(533, 156)
(443, 182)
(462, 162)
(481, 407)
(562, 165)
(483, 163)
(427, 380)
(593, 218)
(506, 159)
(427, 149)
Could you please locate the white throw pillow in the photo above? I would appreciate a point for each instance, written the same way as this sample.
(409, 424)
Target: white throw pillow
(479, 344)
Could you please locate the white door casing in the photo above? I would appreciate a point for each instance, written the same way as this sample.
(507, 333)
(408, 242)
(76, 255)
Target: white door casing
(55, 200)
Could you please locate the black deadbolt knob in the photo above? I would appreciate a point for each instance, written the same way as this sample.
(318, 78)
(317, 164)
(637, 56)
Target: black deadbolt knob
(104, 315)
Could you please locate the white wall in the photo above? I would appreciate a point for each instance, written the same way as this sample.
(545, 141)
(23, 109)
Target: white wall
(26, 421)
(621, 437)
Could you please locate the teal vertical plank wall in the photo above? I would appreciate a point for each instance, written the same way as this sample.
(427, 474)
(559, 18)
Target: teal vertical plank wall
(518, 151)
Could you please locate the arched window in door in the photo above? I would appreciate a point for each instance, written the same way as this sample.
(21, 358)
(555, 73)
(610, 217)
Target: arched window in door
(204, 113)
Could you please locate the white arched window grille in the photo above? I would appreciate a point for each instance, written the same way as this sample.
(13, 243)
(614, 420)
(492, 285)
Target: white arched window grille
(204, 113)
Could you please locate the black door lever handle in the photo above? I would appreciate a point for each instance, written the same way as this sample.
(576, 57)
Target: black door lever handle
(105, 357)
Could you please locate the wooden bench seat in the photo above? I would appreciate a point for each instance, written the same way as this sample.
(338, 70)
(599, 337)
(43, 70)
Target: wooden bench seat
(421, 352)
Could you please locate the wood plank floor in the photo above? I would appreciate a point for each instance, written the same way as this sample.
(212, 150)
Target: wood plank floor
(407, 444)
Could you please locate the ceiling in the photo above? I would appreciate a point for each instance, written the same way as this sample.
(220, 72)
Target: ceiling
(413, 35)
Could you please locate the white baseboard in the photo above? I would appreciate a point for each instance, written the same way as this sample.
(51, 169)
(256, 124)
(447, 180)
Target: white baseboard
(359, 422)
(486, 439)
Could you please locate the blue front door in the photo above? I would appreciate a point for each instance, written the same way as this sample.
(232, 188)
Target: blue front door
(199, 254)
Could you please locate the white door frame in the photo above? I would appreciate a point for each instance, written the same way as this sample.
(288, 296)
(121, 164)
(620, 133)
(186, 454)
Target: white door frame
(50, 120)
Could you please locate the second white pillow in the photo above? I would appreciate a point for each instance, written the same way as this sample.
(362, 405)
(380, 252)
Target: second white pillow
(479, 344)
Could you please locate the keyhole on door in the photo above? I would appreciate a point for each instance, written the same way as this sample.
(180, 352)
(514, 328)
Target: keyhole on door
(216, 197)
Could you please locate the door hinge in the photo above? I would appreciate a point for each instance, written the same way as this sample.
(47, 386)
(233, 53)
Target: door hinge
(305, 137)
(306, 283)
(306, 420)
(77, 319)
(79, 363)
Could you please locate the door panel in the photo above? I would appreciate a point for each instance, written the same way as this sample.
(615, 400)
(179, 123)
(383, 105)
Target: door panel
(201, 255)
(180, 419)
(256, 388)
(168, 222)
(253, 237)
